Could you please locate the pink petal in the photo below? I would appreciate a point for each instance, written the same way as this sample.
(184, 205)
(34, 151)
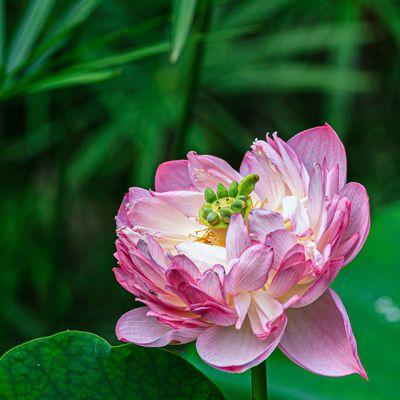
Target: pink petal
(137, 327)
(270, 188)
(173, 175)
(316, 198)
(128, 201)
(183, 263)
(360, 221)
(319, 338)
(318, 144)
(251, 271)
(294, 210)
(161, 220)
(233, 350)
(262, 222)
(264, 313)
(237, 237)
(204, 255)
(207, 170)
(281, 241)
(286, 278)
(318, 287)
(187, 202)
(210, 284)
(242, 304)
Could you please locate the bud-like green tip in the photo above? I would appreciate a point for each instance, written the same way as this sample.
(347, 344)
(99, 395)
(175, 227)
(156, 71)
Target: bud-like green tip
(210, 195)
(213, 218)
(222, 191)
(247, 184)
(233, 189)
(238, 205)
(226, 214)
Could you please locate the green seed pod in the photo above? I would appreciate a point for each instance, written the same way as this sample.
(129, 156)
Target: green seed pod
(205, 211)
(238, 205)
(210, 195)
(222, 191)
(213, 218)
(233, 189)
(246, 185)
(226, 214)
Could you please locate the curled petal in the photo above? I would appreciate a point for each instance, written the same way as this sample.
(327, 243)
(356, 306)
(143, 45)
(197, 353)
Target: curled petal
(236, 350)
(318, 144)
(173, 175)
(319, 338)
(137, 327)
(207, 170)
(134, 194)
(360, 219)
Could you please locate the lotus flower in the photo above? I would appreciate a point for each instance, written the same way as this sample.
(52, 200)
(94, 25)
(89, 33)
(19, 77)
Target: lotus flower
(241, 262)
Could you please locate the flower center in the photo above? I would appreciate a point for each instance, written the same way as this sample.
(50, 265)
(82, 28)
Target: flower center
(219, 207)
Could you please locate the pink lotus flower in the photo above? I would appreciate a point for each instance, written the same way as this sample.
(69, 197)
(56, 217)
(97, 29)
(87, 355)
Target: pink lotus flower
(241, 262)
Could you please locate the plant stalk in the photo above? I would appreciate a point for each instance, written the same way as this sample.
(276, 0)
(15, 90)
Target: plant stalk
(259, 382)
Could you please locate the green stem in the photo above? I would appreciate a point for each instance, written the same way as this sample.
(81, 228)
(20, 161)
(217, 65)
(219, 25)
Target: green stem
(259, 382)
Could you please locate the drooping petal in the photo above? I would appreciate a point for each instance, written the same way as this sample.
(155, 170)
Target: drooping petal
(251, 271)
(237, 237)
(263, 222)
(137, 327)
(359, 218)
(236, 350)
(319, 338)
(204, 255)
(205, 170)
(159, 219)
(173, 175)
(318, 144)
(187, 202)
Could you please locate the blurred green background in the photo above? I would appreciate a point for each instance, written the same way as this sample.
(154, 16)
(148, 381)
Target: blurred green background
(95, 94)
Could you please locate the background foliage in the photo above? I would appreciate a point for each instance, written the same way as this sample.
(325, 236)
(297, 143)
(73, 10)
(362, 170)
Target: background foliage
(94, 94)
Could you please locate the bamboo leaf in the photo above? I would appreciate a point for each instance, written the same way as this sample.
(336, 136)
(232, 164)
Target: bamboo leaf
(182, 21)
(28, 31)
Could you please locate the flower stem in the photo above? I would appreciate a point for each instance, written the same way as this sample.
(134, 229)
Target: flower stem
(259, 382)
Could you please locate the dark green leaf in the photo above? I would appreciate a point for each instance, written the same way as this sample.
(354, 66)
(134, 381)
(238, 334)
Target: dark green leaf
(181, 23)
(80, 365)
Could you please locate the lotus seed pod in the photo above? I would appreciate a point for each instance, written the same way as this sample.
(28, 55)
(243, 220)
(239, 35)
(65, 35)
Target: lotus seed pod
(213, 218)
(233, 189)
(226, 214)
(222, 191)
(210, 195)
(238, 205)
(205, 211)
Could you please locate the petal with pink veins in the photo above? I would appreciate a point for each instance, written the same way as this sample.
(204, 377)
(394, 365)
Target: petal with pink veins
(159, 219)
(294, 211)
(237, 237)
(173, 175)
(134, 194)
(187, 202)
(242, 304)
(137, 327)
(251, 270)
(318, 144)
(263, 222)
(319, 338)
(233, 350)
(205, 170)
(281, 241)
